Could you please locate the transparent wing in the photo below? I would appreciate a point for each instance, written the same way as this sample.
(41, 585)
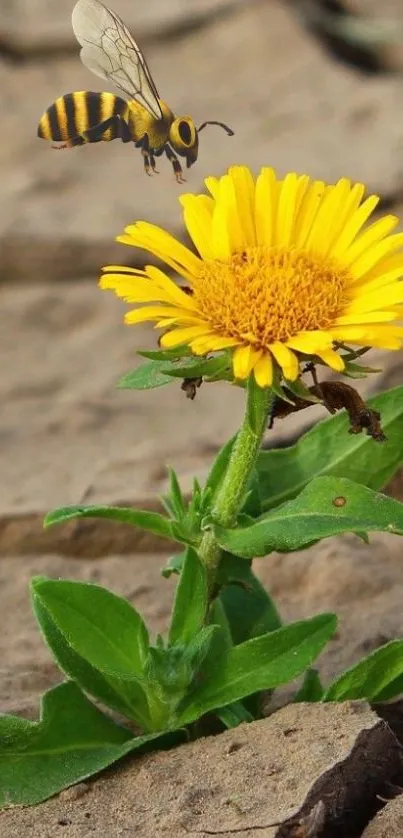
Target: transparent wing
(109, 51)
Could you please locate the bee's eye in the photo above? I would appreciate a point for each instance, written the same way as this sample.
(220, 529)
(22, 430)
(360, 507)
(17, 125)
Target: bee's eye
(185, 132)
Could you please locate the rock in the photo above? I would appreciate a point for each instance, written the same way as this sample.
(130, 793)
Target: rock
(267, 778)
(388, 823)
(290, 105)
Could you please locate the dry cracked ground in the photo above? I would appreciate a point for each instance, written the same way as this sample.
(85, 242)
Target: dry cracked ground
(67, 434)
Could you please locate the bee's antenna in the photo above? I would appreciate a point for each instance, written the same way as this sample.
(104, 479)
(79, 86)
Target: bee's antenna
(229, 131)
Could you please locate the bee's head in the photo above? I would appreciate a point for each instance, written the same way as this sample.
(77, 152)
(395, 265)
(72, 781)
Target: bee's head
(183, 138)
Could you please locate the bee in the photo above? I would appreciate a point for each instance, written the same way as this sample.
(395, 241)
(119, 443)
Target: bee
(108, 49)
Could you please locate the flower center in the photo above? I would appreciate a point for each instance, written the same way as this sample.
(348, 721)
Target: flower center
(270, 294)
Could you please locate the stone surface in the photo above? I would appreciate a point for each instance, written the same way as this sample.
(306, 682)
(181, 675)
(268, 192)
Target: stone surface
(388, 823)
(249, 781)
(68, 435)
(290, 106)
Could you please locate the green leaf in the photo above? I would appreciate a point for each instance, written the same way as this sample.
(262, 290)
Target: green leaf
(190, 606)
(165, 354)
(371, 677)
(259, 664)
(72, 741)
(249, 609)
(146, 377)
(311, 689)
(329, 449)
(198, 367)
(126, 697)
(151, 521)
(328, 506)
(234, 714)
(393, 690)
(100, 626)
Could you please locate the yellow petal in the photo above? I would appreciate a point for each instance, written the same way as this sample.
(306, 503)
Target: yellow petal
(331, 359)
(173, 291)
(286, 210)
(185, 335)
(372, 317)
(346, 212)
(245, 196)
(319, 238)
(141, 291)
(366, 285)
(140, 315)
(265, 206)
(375, 233)
(157, 241)
(198, 221)
(307, 212)
(382, 337)
(122, 269)
(286, 359)
(213, 186)
(310, 342)
(221, 236)
(354, 225)
(229, 206)
(217, 343)
(243, 360)
(263, 371)
(380, 299)
(375, 253)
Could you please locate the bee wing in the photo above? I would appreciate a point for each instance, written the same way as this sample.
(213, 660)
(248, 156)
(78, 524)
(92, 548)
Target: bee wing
(109, 51)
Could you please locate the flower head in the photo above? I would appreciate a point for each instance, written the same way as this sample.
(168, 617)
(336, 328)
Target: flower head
(284, 272)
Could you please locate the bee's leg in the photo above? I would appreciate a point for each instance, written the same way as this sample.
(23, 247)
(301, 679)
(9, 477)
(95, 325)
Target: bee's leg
(144, 146)
(152, 163)
(72, 141)
(175, 164)
(96, 133)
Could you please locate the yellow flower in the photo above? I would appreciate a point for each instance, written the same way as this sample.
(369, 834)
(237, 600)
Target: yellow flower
(284, 270)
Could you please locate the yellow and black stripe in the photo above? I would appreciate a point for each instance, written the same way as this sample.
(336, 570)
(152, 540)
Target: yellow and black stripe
(71, 116)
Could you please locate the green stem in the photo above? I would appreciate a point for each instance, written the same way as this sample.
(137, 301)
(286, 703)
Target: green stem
(235, 482)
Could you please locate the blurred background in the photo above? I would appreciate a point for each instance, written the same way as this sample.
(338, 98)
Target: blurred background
(314, 86)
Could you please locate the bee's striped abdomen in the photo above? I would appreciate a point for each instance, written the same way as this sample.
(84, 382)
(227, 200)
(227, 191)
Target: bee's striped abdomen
(75, 113)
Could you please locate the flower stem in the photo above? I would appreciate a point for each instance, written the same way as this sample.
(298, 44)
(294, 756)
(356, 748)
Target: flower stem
(232, 491)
